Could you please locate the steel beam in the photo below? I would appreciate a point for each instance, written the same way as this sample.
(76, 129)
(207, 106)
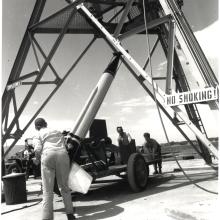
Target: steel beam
(38, 78)
(45, 57)
(35, 51)
(141, 28)
(191, 48)
(123, 18)
(15, 109)
(197, 51)
(27, 76)
(21, 55)
(53, 92)
(183, 85)
(114, 16)
(170, 55)
(34, 26)
(141, 80)
(151, 53)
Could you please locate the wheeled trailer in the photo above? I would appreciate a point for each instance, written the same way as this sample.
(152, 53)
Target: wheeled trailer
(100, 158)
(136, 171)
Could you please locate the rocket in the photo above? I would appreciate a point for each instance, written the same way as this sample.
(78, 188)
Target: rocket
(93, 103)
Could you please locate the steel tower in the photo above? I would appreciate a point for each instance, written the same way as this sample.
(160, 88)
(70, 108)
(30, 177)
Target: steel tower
(114, 21)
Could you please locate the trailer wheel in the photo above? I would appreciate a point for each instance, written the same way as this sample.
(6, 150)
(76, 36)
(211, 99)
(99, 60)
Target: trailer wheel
(137, 172)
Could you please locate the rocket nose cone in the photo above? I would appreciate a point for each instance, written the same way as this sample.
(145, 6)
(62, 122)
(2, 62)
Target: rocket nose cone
(112, 67)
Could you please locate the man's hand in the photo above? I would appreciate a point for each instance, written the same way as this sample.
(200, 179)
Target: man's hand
(36, 161)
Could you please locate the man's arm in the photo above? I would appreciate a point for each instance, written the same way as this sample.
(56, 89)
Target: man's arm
(145, 148)
(129, 137)
(38, 147)
(154, 147)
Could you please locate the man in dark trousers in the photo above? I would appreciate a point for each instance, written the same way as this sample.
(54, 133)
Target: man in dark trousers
(153, 147)
(49, 147)
(124, 140)
(28, 155)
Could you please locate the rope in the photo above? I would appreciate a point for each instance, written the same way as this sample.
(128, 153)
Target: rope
(23, 207)
(158, 110)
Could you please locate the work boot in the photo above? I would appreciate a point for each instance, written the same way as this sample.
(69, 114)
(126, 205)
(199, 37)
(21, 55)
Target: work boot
(71, 216)
(155, 172)
(160, 171)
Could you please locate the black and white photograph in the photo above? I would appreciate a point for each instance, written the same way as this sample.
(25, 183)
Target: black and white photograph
(109, 109)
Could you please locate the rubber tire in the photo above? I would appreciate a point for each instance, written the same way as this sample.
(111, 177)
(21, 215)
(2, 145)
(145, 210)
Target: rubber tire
(12, 167)
(137, 172)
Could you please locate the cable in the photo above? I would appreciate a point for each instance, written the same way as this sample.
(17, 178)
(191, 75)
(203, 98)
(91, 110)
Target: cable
(23, 207)
(159, 113)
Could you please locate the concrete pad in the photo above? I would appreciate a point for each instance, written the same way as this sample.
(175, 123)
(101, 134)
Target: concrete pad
(168, 196)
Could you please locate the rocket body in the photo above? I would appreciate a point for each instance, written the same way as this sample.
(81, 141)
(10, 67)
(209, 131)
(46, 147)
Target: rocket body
(95, 100)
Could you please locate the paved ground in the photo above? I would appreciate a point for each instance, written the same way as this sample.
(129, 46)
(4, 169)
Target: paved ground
(168, 196)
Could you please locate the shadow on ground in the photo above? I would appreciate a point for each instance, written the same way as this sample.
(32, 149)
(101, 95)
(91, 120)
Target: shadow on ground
(111, 195)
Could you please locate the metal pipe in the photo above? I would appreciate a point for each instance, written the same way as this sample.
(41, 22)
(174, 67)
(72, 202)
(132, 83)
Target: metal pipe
(170, 56)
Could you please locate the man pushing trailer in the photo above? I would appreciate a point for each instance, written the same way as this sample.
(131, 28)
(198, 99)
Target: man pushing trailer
(152, 148)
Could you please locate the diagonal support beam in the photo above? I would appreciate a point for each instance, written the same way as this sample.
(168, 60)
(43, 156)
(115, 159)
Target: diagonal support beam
(116, 15)
(151, 53)
(141, 27)
(44, 56)
(123, 18)
(39, 76)
(15, 108)
(170, 56)
(53, 92)
(26, 76)
(21, 55)
(35, 51)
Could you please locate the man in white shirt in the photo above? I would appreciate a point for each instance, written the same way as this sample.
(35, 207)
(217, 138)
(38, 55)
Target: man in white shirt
(50, 148)
(123, 138)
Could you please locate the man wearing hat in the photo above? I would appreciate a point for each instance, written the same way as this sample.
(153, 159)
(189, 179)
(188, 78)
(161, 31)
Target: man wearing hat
(50, 149)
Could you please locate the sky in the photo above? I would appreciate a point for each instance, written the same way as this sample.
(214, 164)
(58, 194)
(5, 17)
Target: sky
(126, 103)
